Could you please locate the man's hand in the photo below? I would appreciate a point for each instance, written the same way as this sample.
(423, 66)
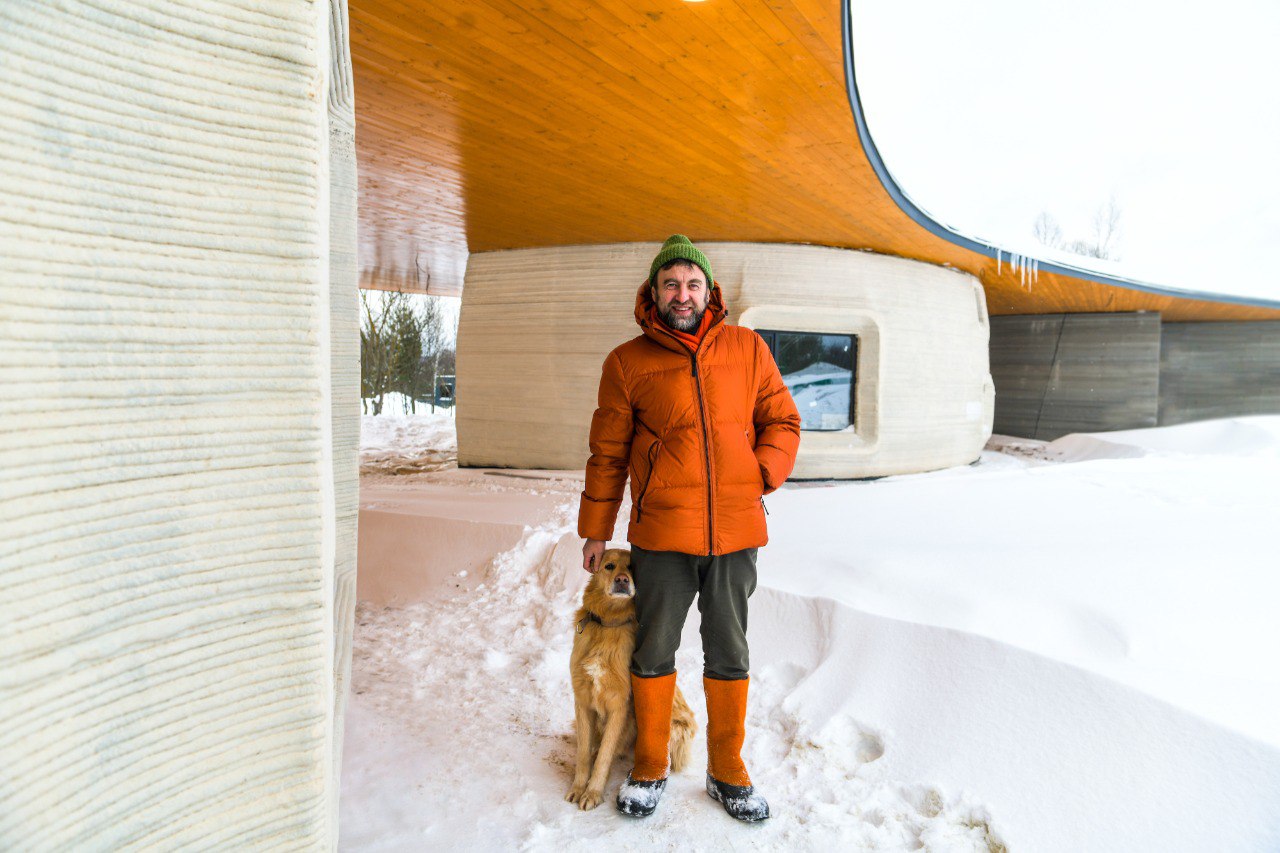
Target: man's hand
(592, 552)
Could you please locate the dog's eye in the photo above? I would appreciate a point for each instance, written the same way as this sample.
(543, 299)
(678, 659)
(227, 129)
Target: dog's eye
(609, 566)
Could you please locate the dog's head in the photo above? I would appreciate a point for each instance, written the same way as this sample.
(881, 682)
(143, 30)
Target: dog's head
(611, 586)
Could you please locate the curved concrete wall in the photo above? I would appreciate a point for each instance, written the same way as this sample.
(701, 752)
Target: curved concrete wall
(344, 376)
(537, 324)
(177, 424)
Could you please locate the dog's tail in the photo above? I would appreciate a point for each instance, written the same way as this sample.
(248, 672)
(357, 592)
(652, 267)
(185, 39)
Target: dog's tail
(683, 727)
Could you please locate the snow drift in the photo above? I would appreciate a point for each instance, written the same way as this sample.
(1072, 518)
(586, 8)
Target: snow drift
(1064, 646)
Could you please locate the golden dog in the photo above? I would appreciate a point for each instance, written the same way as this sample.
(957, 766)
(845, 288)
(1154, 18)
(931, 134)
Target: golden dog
(599, 665)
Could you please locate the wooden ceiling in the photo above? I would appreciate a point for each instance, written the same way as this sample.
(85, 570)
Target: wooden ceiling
(500, 124)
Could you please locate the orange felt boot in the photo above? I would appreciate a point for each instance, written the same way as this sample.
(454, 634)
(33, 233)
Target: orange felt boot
(639, 794)
(726, 727)
(727, 779)
(652, 698)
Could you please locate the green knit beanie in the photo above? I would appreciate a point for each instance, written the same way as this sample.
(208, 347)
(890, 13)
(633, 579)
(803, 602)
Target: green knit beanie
(678, 246)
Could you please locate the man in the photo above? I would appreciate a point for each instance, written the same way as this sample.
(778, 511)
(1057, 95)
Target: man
(696, 412)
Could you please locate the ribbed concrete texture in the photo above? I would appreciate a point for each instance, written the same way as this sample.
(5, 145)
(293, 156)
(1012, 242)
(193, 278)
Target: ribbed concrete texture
(1213, 370)
(1061, 373)
(344, 361)
(537, 324)
(176, 487)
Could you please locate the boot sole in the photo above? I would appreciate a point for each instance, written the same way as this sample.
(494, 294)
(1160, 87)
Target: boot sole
(637, 813)
(714, 793)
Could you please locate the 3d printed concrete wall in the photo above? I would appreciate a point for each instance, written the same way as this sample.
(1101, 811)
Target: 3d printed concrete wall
(178, 421)
(1062, 373)
(536, 325)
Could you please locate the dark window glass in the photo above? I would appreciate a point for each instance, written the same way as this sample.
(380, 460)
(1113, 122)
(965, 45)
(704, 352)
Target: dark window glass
(819, 371)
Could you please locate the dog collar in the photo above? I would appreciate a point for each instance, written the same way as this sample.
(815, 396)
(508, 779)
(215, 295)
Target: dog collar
(591, 617)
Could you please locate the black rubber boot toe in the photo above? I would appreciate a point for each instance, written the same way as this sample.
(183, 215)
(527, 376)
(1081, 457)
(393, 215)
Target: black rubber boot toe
(639, 799)
(740, 802)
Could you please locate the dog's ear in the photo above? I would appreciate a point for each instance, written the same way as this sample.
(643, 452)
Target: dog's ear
(595, 581)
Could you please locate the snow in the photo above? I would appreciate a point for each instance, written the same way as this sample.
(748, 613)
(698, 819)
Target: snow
(821, 393)
(395, 443)
(1064, 646)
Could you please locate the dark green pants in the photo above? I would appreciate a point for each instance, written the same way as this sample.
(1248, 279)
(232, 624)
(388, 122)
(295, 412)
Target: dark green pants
(666, 584)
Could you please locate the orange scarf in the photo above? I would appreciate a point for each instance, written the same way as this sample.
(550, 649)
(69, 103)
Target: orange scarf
(689, 339)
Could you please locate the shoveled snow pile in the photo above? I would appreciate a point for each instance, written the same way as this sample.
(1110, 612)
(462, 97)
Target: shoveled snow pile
(396, 443)
(459, 737)
(1064, 646)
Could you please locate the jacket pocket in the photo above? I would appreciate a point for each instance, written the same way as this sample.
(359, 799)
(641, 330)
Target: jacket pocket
(752, 459)
(651, 457)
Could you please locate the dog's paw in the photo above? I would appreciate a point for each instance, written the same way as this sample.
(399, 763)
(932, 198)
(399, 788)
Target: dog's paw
(589, 799)
(575, 793)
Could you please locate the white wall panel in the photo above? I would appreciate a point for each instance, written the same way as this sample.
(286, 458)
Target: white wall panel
(537, 324)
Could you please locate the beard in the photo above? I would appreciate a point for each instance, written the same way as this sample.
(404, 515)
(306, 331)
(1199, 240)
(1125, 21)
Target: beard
(686, 324)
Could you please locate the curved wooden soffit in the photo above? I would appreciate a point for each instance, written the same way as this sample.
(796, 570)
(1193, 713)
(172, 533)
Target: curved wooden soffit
(497, 124)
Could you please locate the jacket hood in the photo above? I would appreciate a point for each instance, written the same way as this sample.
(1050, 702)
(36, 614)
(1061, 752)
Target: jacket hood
(656, 329)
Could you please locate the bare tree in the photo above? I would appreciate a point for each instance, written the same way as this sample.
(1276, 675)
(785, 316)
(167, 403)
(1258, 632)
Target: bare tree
(378, 346)
(1106, 230)
(406, 344)
(1047, 230)
(1104, 242)
(437, 340)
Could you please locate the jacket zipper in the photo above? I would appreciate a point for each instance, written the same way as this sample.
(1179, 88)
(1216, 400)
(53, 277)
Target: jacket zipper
(706, 453)
(706, 441)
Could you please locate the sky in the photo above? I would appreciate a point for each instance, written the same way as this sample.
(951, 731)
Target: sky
(990, 112)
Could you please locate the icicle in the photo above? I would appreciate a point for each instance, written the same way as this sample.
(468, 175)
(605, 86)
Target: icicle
(998, 262)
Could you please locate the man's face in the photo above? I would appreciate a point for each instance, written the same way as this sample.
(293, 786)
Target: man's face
(681, 294)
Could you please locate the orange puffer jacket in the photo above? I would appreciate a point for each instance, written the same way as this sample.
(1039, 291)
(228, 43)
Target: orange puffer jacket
(704, 436)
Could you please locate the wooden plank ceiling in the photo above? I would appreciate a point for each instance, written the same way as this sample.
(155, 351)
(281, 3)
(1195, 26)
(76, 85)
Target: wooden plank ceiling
(497, 124)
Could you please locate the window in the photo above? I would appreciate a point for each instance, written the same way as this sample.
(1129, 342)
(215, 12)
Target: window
(819, 371)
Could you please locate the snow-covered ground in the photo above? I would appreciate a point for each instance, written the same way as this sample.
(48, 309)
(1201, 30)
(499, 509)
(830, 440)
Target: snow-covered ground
(1065, 646)
(396, 443)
